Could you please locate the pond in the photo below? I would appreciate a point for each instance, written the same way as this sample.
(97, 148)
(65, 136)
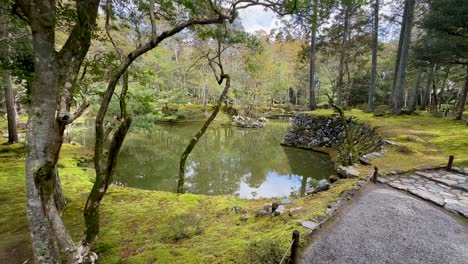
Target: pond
(248, 163)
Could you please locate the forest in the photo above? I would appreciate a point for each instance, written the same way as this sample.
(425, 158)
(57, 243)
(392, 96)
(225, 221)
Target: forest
(141, 78)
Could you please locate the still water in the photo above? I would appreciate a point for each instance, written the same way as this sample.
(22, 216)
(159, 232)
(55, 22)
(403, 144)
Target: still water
(248, 163)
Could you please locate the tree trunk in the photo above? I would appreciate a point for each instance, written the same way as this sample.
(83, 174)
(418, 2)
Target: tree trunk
(442, 88)
(375, 45)
(427, 88)
(414, 97)
(462, 102)
(405, 39)
(11, 109)
(313, 37)
(341, 69)
(194, 141)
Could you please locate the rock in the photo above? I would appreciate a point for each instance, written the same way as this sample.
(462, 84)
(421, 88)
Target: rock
(428, 196)
(279, 211)
(391, 143)
(457, 207)
(267, 207)
(456, 177)
(323, 185)
(262, 119)
(447, 181)
(347, 172)
(364, 161)
(274, 206)
(295, 209)
(244, 217)
(286, 201)
(237, 209)
(398, 186)
(262, 212)
(309, 224)
(463, 186)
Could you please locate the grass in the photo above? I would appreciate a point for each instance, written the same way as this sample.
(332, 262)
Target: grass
(425, 140)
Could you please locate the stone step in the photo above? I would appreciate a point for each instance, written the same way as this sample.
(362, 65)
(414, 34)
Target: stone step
(446, 182)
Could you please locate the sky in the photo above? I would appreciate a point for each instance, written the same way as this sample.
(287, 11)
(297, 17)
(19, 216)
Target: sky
(256, 18)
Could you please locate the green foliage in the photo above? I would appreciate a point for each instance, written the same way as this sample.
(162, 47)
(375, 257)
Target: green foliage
(184, 225)
(381, 110)
(265, 251)
(313, 182)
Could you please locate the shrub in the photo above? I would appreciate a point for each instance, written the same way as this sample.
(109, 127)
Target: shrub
(381, 110)
(266, 251)
(184, 225)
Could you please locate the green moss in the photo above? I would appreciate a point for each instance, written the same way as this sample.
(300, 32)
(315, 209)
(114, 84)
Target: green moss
(426, 140)
(136, 223)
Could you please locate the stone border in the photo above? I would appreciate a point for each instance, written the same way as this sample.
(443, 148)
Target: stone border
(334, 207)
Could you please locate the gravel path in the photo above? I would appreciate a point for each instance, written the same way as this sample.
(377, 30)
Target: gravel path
(383, 225)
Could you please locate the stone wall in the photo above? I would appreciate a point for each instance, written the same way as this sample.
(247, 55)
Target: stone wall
(310, 131)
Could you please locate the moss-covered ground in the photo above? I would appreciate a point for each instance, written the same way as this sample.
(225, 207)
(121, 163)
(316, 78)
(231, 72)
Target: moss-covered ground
(424, 140)
(148, 226)
(158, 227)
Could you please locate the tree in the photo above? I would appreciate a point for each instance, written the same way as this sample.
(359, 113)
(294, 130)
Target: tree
(402, 56)
(53, 88)
(11, 109)
(446, 28)
(375, 46)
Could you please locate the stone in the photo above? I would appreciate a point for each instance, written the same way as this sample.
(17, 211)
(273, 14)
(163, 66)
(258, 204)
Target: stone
(347, 172)
(428, 196)
(279, 211)
(446, 181)
(309, 224)
(274, 206)
(425, 175)
(364, 161)
(286, 201)
(463, 186)
(237, 209)
(454, 177)
(295, 209)
(262, 119)
(381, 180)
(267, 207)
(457, 207)
(244, 217)
(322, 185)
(398, 186)
(262, 212)
(406, 180)
(391, 143)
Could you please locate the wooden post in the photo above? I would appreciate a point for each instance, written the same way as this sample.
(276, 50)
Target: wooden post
(295, 247)
(450, 163)
(375, 175)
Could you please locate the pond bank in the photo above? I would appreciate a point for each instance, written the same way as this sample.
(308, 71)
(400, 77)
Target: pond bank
(138, 225)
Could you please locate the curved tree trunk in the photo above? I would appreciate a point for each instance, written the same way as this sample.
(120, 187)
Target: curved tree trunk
(194, 141)
(11, 109)
(375, 45)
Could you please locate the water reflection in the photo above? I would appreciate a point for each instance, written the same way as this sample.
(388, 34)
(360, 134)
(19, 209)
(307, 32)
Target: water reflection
(227, 160)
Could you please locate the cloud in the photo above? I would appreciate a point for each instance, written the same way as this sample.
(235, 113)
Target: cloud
(256, 18)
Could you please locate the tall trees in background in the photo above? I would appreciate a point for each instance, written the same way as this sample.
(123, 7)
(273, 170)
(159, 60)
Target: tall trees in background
(375, 47)
(11, 108)
(401, 63)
